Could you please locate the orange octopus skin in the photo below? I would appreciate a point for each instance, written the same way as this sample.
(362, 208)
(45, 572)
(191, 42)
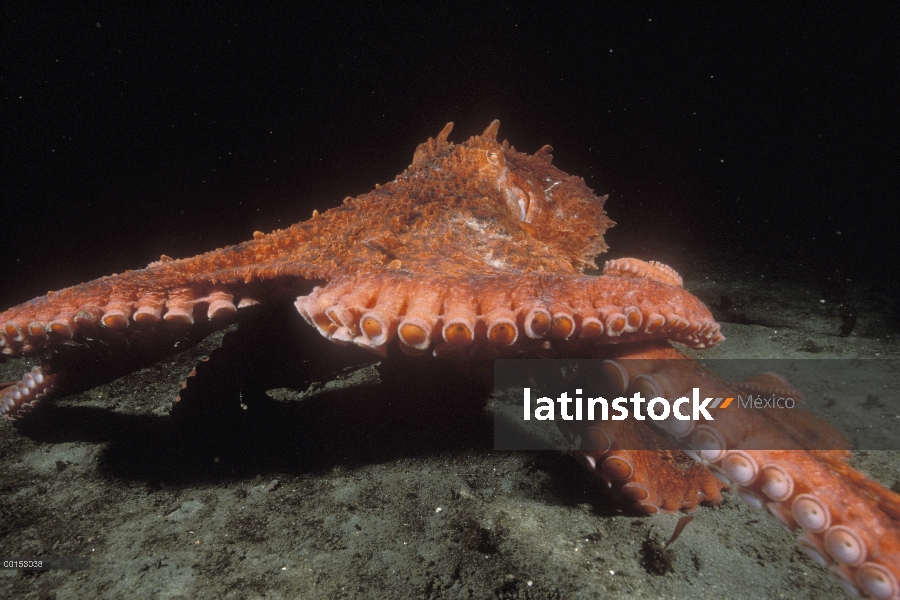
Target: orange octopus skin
(478, 251)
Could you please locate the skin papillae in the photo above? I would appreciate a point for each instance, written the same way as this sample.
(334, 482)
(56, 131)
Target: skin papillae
(477, 251)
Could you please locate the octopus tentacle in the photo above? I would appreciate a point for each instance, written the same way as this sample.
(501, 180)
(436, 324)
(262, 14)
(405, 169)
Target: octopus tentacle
(632, 475)
(501, 310)
(607, 448)
(109, 305)
(849, 522)
(107, 353)
(633, 267)
(18, 398)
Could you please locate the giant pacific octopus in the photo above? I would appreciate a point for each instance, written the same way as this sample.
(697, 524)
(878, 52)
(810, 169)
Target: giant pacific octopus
(479, 251)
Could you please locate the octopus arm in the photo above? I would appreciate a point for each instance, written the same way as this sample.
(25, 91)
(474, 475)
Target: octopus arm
(212, 285)
(504, 311)
(848, 522)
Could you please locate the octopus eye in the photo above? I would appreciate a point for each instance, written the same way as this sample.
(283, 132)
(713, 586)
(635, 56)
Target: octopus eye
(493, 157)
(518, 200)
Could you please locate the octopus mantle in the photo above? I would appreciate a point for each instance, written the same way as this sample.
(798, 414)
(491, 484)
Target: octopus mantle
(478, 251)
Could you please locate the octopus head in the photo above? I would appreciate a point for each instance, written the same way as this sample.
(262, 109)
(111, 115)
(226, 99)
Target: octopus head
(521, 193)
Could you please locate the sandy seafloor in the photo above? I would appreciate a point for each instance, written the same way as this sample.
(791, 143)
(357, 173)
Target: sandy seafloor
(382, 483)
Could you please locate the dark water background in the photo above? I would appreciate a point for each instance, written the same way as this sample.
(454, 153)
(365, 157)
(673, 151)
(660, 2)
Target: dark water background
(127, 133)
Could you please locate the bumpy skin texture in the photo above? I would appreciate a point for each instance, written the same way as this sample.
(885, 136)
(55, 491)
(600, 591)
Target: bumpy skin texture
(477, 251)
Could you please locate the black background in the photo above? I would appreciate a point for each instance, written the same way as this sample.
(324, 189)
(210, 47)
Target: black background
(133, 132)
